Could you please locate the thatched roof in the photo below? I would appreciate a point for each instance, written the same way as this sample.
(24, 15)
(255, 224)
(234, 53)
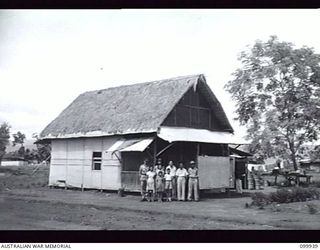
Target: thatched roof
(129, 109)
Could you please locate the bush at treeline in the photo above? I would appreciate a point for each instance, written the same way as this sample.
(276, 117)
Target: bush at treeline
(285, 195)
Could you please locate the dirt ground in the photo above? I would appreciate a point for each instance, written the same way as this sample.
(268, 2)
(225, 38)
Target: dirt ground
(26, 203)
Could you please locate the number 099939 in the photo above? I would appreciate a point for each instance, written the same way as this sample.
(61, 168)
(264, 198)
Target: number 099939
(313, 246)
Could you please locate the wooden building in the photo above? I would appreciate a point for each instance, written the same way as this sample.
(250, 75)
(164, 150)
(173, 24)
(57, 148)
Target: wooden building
(12, 160)
(100, 140)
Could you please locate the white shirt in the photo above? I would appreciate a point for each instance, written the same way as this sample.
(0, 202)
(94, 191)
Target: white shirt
(159, 170)
(173, 170)
(181, 172)
(143, 172)
(168, 177)
(158, 167)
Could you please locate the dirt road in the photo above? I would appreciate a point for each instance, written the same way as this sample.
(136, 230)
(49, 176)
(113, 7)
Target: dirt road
(48, 209)
(44, 208)
(26, 203)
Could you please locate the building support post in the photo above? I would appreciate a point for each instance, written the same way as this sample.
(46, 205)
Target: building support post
(198, 153)
(154, 151)
(66, 183)
(83, 157)
(197, 162)
(101, 167)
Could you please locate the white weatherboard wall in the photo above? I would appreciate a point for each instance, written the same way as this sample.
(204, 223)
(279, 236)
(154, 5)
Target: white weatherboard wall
(214, 172)
(5, 163)
(71, 162)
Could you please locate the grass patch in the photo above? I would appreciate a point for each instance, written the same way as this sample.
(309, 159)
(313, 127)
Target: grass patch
(24, 177)
(284, 195)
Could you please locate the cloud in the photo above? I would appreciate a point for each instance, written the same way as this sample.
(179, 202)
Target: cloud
(51, 56)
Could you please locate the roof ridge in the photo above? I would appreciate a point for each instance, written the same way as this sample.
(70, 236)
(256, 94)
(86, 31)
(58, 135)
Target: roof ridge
(141, 83)
(135, 108)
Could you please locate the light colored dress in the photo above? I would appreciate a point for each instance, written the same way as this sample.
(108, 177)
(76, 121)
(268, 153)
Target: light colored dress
(150, 181)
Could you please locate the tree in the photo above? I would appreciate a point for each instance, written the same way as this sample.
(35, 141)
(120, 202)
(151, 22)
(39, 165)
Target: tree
(43, 149)
(18, 138)
(277, 93)
(4, 138)
(315, 153)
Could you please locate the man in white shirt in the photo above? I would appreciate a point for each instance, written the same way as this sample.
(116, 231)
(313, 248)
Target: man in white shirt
(173, 170)
(159, 167)
(181, 174)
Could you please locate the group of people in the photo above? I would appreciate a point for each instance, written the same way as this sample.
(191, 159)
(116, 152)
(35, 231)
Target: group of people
(168, 183)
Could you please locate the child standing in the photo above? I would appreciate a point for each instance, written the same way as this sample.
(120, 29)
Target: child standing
(168, 184)
(150, 184)
(160, 185)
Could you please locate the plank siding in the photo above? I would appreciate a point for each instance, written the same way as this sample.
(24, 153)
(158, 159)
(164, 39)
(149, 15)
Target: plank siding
(58, 165)
(72, 162)
(214, 172)
(193, 111)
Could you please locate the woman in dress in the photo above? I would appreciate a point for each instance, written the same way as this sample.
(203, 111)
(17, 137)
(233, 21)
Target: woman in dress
(151, 184)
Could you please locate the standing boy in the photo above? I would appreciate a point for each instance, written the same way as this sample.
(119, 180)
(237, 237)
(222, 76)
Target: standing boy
(168, 184)
(173, 170)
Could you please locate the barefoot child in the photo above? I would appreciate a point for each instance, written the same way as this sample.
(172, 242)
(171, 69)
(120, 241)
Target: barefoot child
(168, 184)
(160, 185)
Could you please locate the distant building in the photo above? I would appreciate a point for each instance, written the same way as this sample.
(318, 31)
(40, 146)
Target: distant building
(309, 164)
(310, 160)
(9, 160)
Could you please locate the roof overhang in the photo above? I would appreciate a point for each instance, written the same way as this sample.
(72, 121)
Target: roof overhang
(238, 156)
(131, 145)
(172, 134)
(96, 134)
(239, 152)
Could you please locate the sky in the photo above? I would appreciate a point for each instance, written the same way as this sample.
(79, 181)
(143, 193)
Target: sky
(49, 57)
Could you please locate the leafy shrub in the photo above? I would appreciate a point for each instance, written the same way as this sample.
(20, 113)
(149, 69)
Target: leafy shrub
(260, 199)
(316, 184)
(281, 196)
(285, 195)
(304, 184)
